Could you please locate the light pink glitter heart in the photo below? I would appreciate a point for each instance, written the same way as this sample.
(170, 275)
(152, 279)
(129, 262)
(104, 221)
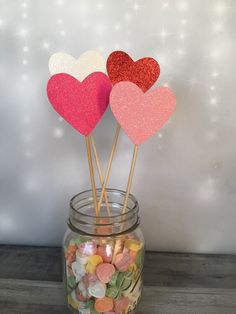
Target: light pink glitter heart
(82, 104)
(140, 114)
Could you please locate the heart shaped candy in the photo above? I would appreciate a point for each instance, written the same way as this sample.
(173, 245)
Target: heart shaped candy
(88, 62)
(97, 289)
(105, 272)
(82, 104)
(141, 115)
(143, 72)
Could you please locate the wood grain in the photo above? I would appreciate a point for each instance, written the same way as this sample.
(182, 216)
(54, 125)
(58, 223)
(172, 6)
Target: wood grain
(30, 282)
(162, 269)
(26, 296)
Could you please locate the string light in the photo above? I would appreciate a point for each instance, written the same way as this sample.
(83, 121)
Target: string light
(163, 34)
(220, 8)
(46, 45)
(218, 27)
(23, 32)
(25, 48)
(117, 27)
(62, 33)
(206, 191)
(165, 4)
(182, 5)
(215, 74)
(136, 6)
(100, 6)
(58, 132)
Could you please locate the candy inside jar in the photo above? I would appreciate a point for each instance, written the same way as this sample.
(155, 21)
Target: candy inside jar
(103, 272)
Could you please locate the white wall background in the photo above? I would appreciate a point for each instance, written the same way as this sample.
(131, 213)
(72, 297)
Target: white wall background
(185, 178)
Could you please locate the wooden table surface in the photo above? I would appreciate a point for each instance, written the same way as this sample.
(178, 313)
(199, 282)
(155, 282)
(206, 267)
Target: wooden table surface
(30, 282)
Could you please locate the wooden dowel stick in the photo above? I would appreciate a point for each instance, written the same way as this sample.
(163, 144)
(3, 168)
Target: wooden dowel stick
(109, 166)
(91, 171)
(99, 171)
(131, 174)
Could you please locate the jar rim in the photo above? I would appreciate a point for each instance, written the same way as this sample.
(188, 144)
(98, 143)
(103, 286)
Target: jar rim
(118, 191)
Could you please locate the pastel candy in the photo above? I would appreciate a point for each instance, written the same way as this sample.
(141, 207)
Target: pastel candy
(105, 272)
(87, 248)
(123, 261)
(97, 289)
(92, 277)
(114, 279)
(69, 271)
(78, 269)
(81, 259)
(105, 251)
(71, 282)
(133, 245)
(90, 306)
(82, 288)
(84, 311)
(104, 305)
(103, 229)
(121, 304)
(72, 301)
(93, 261)
(133, 255)
(112, 292)
(89, 278)
(70, 253)
(126, 284)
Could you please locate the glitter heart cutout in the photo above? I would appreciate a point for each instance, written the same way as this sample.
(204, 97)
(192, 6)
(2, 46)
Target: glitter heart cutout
(81, 104)
(143, 72)
(88, 62)
(140, 114)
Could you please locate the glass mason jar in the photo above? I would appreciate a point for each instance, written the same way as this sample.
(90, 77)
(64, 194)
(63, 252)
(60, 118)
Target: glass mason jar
(103, 255)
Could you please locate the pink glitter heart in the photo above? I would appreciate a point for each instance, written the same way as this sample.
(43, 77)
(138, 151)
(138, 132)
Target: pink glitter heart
(82, 104)
(140, 114)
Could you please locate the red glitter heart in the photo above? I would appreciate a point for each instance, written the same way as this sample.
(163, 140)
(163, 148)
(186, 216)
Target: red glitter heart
(143, 72)
(82, 104)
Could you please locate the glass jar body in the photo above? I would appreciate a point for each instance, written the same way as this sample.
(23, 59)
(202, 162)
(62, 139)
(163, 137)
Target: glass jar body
(103, 269)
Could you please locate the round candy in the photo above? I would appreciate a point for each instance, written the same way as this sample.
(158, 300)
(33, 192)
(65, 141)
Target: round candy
(81, 259)
(71, 282)
(97, 289)
(93, 261)
(133, 245)
(114, 278)
(104, 305)
(133, 255)
(112, 292)
(84, 311)
(72, 302)
(105, 251)
(90, 306)
(87, 248)
(78, 270)
(123, 261)
(105, 271)
(121, 304)
(70, 253)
